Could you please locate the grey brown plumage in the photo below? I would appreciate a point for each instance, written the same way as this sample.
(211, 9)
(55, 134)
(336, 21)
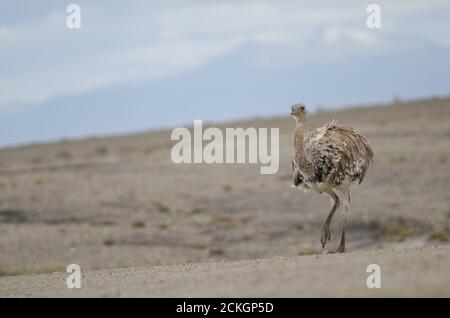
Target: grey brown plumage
(337, 153)
(329, 159)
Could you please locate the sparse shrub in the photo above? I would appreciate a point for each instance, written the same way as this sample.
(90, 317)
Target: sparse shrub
(197, 210)
(11, 271)
(442, 158)
(160, 206)
(225, 221)
(440, 233)
(148, 150)
(138, 224)
(163, 226)
(216, 250)
(401, 158)
(64, 154)
(13, 216)
(39, 180)
(109, 241)
(304, 251)
(102, 150)
(226, 187)
(395, 228)
(203, 244)
(50, 269)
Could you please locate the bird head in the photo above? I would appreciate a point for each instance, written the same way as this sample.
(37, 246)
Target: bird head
(298, 111)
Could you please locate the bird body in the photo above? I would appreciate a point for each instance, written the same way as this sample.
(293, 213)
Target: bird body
(329, 159)
(332, 156)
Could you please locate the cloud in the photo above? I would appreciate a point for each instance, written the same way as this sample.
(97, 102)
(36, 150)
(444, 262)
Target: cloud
(98, 71)
(119, 43)
(336, 34)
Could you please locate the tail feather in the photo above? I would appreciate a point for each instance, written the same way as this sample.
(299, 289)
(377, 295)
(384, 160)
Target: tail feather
(355, 153)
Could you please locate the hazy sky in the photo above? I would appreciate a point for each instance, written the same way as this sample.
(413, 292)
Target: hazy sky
(136, 65)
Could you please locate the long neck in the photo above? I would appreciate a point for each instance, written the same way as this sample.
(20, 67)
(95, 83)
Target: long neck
(299, 151)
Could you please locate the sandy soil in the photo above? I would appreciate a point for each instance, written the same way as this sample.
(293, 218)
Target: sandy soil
(120, 201)
(414, 272)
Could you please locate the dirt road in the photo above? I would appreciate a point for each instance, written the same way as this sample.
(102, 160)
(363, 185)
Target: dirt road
(418, 272)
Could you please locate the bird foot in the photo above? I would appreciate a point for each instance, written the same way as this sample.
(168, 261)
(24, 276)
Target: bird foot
(340, 249)
(325, 235)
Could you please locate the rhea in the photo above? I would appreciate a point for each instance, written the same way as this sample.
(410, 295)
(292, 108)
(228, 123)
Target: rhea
(329, 160)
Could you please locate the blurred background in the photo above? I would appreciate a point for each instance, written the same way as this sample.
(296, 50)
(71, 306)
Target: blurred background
(85, 119)
(150, 64)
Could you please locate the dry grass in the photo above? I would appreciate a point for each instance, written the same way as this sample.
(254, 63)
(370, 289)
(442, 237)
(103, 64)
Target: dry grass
(197, 210)
(395, 229)
(306, 250)
(138, 224)
(160, 206)
(440, 233)
(64, 154)
(109, 241)
(101, 151)
(11, 271)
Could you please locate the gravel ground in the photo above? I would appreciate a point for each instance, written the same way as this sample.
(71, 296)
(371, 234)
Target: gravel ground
(409, 272)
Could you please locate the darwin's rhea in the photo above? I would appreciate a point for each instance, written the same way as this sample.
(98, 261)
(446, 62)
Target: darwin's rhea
(329, 159)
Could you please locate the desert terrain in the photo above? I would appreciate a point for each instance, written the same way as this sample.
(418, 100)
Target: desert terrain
(119, 206)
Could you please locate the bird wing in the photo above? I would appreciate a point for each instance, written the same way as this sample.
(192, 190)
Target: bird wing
(338, 152)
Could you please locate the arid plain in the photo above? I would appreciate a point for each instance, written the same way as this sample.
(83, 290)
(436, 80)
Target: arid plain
(120, 201)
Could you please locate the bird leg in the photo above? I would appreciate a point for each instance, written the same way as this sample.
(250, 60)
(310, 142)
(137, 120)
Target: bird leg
(325, 230)
(341, 247)
(297, 178)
